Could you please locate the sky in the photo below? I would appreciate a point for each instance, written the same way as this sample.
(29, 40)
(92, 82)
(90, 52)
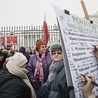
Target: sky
(31, 12)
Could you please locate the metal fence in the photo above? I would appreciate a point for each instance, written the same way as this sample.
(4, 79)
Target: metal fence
(28, 35)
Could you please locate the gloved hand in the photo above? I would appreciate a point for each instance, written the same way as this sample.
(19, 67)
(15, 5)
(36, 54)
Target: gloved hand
(63, 92)
(44, 92)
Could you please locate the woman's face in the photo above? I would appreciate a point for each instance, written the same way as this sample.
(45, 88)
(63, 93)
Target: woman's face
(43, 49)
(57, 55)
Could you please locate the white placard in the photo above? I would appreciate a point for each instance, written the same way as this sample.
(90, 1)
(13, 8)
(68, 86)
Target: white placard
(77, 37)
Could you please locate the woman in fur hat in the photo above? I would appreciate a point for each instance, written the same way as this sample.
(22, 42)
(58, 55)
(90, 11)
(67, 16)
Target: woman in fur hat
(14, 82)
(38, 66)
(56, 85)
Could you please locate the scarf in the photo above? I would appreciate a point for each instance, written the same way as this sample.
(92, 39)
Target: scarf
(54, 69)
(21, 72)
(39, 68)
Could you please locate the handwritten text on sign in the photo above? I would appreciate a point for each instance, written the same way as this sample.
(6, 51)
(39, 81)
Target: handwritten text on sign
(78, 36)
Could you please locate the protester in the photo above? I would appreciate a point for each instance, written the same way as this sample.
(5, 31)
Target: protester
(88, 85)
(38, 66)
(14, 82)
(23, 51)
(56, 85)
(29, 50)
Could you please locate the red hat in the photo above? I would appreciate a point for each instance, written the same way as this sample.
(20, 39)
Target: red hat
(39, 43)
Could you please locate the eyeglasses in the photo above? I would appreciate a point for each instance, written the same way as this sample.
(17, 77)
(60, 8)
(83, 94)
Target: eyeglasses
(58, 52)
(44, 47)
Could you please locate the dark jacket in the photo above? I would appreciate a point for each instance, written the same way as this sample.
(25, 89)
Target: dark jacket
(60, 78)
(5, 55)
(12, 86)
(26, 55)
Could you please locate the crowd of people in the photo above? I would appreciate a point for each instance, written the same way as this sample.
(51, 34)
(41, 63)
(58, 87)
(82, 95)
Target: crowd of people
(38, 75)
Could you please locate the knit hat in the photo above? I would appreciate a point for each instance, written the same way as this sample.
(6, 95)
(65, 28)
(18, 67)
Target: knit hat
(18, 60)
(55, 46)
(22, 49)
(39, 43)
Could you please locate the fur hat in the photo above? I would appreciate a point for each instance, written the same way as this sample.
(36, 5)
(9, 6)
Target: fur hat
(18, 60)
(22, 49)
(55, 46)
(39, 43)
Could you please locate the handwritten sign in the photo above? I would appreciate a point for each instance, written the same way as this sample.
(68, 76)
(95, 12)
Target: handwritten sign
(77, 37)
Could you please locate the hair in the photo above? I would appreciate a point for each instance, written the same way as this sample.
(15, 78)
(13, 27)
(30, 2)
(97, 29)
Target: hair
(39, 43)
(12, 52)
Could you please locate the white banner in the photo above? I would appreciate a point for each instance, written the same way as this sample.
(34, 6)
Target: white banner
(77, 37)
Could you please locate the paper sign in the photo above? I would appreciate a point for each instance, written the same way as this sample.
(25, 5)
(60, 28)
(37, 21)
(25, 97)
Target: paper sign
(77, 37)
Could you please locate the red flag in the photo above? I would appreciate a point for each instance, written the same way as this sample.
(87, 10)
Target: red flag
(45, 30)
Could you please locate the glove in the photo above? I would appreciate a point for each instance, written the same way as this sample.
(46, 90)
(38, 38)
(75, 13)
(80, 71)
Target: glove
(36, 85)
(63, 92)
(44, 92)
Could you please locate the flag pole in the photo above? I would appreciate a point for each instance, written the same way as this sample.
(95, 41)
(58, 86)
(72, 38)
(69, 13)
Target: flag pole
(85, 10)
(45, 17)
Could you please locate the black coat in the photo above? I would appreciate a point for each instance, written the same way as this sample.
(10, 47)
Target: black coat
(5, 55)
(12, 86)
(26, 55)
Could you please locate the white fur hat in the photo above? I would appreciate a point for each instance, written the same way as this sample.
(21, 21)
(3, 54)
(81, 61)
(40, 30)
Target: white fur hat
(17, 60)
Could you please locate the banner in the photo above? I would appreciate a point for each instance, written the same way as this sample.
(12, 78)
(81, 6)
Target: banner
(12, 40)
(77, 37)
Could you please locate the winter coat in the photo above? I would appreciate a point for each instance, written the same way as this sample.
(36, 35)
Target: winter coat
(56, 77)
(5, 55)
(31, 68)
(60, 79)
(11, 86)
(26, 55)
